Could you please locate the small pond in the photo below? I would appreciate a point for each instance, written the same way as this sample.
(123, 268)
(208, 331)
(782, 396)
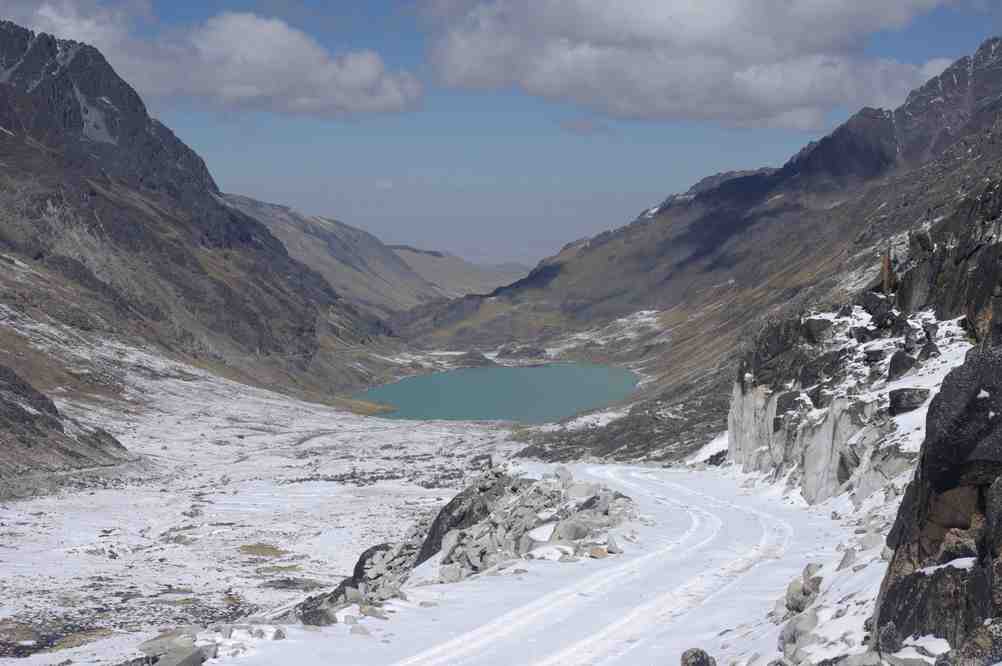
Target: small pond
(532, 395)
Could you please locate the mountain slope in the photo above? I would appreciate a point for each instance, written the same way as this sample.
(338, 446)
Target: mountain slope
(120, 228)
(455, 277)
(357, 264)
(35, 436)
(715, 260)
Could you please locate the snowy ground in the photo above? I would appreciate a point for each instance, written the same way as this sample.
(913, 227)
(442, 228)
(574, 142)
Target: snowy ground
(245, 494)
(703, 567)
(248, 499)
(248, 489)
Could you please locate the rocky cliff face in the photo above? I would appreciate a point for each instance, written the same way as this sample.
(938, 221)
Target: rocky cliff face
(944, 578)
(104, 201)
(926, 330)
(826, 401)
(815, 394)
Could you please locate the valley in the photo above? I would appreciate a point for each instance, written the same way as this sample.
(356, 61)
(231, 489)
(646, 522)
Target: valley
(760, 420)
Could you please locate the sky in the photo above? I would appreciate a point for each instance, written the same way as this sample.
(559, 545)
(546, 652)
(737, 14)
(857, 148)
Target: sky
(500, 130)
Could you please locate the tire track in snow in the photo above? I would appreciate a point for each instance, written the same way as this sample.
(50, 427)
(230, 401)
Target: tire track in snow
(648, 620)
(554, 606)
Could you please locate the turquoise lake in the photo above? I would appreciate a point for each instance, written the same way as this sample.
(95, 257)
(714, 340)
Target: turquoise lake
(533, 395)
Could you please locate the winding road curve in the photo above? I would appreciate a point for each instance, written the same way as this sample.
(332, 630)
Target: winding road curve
(666, 583)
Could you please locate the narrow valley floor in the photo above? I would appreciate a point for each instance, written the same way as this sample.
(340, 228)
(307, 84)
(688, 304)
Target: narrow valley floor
(248, 501)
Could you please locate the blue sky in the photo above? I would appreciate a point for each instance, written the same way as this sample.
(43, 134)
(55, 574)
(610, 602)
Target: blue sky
(502, 129)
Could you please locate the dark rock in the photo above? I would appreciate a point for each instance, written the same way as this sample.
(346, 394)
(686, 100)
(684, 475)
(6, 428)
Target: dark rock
(907, 400)
(717, 459)
(920, 242)
(901, 364)
(777, 354)
(876, 305)
(941, 517)
(818, 331)
(948, 603)
(863, 334)
(963, 440)
(697, 657)
(874, 356)
(931, 331)
(983, 647)
(889, 640)
(929, 350)
(829, 367)
(890, 322)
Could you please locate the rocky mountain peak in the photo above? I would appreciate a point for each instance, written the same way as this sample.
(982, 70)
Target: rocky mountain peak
(65, 94)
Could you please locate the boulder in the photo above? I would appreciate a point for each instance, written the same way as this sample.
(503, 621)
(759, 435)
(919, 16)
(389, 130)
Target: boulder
(467, 508)
(697, 657)
(901, 364)
(905, 400)
(876, 305)
(929, 350)
(864, 334)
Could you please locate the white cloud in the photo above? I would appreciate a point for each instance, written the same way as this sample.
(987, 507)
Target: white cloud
(768, 62)
(234, 60)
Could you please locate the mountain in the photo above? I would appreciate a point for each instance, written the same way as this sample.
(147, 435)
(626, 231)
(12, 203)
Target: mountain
(120, 228)
(454, 276)
(715, 261)
(358, 265)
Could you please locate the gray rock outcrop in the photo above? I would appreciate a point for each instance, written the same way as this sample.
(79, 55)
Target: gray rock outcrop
(496, 519)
